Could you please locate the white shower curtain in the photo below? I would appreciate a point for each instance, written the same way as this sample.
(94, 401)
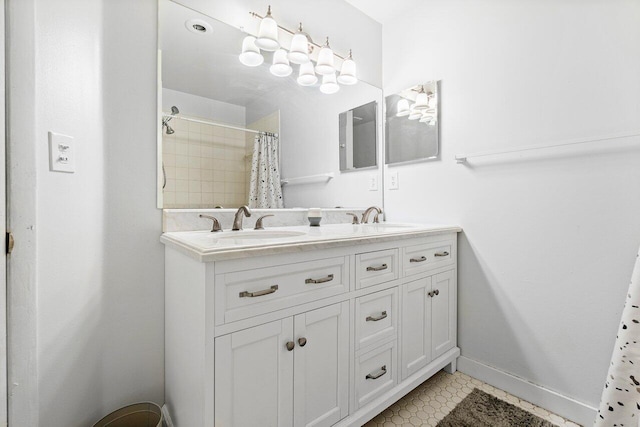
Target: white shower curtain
(620, 402)
(265, 190)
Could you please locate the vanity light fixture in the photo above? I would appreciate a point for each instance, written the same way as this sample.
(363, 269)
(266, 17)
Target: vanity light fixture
(299, 53)
(348, 71)
(268, 33)
(324, 65)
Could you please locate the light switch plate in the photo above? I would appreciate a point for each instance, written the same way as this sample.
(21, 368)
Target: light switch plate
(62, 154)
(373, 183)
(393, 180)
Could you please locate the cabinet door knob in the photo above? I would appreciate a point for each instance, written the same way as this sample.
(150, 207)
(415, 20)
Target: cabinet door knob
(430, 293)
(437, 292)
(290, 345)
(302, 342)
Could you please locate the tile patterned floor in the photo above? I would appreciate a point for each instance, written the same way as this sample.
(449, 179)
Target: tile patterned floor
(434, 399)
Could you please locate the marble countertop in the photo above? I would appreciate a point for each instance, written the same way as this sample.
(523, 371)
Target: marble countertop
(206, 246)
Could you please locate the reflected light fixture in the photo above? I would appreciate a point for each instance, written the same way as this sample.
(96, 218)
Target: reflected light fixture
(307, 76)
(422, 100)
(329, 85)
(268, 33)
(415, 115)
(250, 56)
(403, 108)
(280, 67)
(299, 53)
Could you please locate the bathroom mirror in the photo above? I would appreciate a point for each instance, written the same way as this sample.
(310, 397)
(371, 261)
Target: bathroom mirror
(359, 137)
(411, 132)
(207, 147)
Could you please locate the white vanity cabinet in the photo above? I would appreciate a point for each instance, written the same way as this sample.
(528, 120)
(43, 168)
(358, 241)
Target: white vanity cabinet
(307, 336)
(288, 372)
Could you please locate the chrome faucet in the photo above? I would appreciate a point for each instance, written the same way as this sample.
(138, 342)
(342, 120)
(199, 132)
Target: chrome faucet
(237, 220)
(365, 215)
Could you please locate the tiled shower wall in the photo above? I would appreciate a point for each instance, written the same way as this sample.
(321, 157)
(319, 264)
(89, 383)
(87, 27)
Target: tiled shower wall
(205, 166)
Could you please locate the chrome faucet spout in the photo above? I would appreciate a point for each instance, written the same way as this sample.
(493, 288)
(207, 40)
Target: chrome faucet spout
(237, 220)
(365, 215)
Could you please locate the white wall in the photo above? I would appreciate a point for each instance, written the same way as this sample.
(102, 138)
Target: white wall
(549, 238)
(91, 260)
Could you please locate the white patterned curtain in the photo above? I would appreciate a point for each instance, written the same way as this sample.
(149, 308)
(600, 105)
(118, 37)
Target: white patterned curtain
(265, 190)
(620, 402)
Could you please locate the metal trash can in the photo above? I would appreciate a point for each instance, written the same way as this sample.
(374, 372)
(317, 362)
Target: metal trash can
(145, 414)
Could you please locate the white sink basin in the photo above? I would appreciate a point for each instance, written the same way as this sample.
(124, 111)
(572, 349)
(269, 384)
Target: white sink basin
(258, 235)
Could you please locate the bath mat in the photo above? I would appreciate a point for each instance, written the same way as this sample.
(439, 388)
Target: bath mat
(480, 409)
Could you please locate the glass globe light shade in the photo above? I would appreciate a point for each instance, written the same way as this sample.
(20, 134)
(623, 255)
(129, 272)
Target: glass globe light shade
(250, 56)
(403, 108)
(306, 76)
(415, 115)
(324, 66)
(299, 52)
(268, 33)
(422, 101)
(280, 67)
(329, 84)
(348, 72)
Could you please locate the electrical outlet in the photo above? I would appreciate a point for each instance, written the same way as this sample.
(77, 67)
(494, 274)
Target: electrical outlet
(373, 183)
(62, 155)
(393, 180)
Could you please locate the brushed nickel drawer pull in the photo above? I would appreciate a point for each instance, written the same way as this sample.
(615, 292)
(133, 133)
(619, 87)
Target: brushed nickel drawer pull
(323, 280)
(445, 253)
(380, 268)
(422, 258)
(290, 345)
(383, 315)
(302, 342)
(383, 370)
(259, 293)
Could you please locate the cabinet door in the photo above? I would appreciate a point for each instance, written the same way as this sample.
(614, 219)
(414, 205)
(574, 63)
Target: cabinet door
(416, 326)
(443, 315)
(321, 366)
(254, 376)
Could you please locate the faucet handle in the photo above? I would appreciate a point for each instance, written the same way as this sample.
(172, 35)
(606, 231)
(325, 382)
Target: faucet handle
(259, 225)
(216, 224)
(355, 218)
(376, 219)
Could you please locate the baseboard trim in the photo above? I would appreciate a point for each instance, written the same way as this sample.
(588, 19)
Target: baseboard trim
(564, 406)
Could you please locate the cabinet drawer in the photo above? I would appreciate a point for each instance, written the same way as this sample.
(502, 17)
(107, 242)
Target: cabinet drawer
(376, 373)
(376, 317)
(419, 258)
(377, 267)
(243, 294)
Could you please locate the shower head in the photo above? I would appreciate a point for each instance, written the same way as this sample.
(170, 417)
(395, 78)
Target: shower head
(167, 119)
(170, 130)
(174, 110)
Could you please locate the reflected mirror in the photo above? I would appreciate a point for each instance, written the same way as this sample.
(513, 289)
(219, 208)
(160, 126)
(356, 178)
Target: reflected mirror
(228, 128)
(411, 132)
(359, 137)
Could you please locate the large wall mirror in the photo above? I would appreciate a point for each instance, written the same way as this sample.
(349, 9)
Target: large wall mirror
(411, 132)
(214, 109)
